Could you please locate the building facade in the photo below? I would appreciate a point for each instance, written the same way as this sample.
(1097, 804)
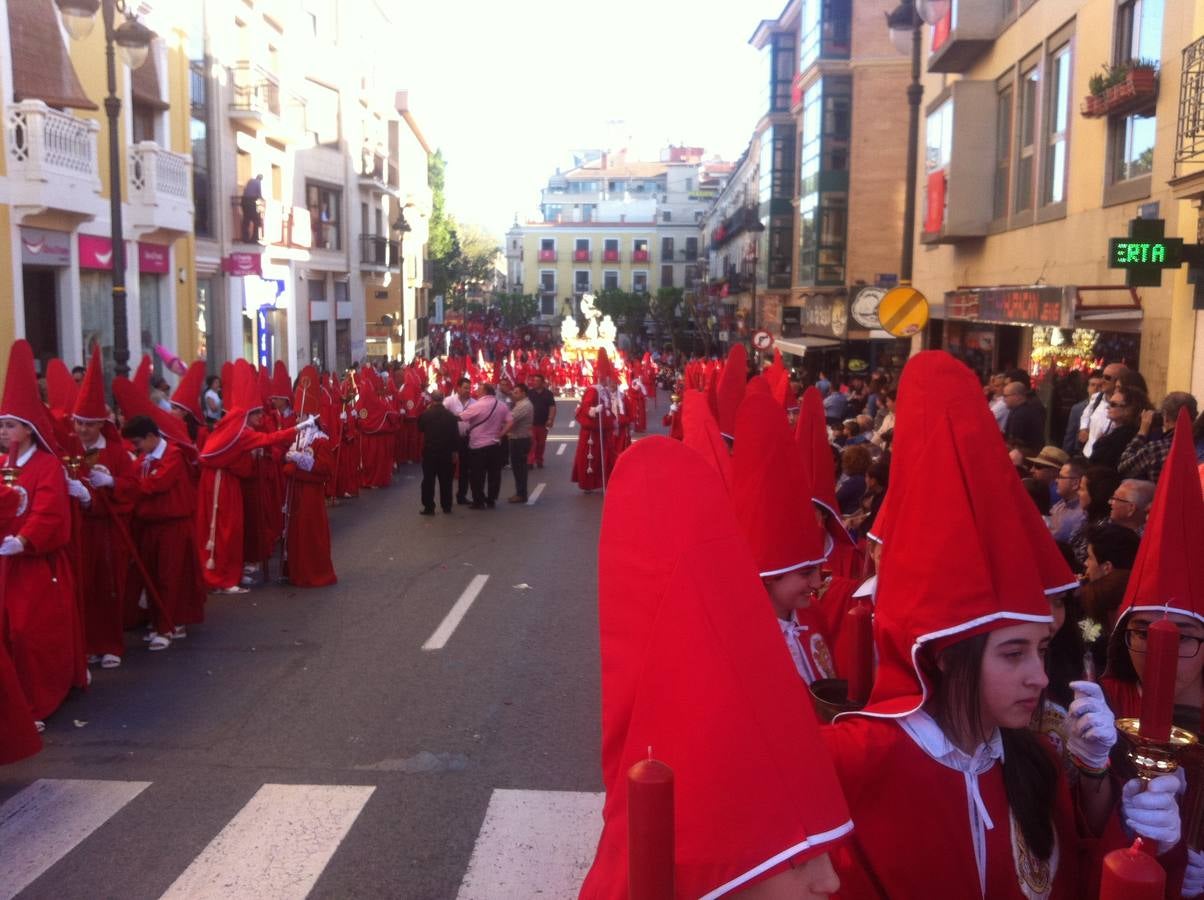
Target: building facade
(1029, 165)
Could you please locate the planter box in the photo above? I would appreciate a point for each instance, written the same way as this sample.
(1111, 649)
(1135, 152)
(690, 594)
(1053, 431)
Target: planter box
(1138, 92)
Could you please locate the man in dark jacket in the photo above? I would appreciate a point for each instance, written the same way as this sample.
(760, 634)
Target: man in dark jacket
(1026, 417)
(441, 439)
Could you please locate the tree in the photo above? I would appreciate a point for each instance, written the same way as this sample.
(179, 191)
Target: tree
(472, 262)
(626, 309)
(442, 244)
(516, 309)
(664, 310)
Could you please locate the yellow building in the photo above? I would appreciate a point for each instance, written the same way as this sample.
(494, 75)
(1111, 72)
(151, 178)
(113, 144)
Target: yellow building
(1025, 174)
(54, 181)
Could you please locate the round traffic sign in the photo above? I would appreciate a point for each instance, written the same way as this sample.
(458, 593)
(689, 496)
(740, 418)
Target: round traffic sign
(762, 340)
(865, 307)
(903, 311)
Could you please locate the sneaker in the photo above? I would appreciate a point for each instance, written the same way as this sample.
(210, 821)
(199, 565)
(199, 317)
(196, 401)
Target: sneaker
(93, 659)
(248, 580)
(150, 635)
(159, 642)
(39, 725)
(110, 661)
(232, 590)
(178, 633)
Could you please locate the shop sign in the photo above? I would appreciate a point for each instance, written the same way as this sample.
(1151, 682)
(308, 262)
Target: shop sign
(153, 259)
(242, 264)
(865, 307)
(95, 252)
(1010, 306)
(823, 315)
(40, 247)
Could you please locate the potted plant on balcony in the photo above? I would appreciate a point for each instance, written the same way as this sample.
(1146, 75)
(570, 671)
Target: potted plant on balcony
(1122, 89)
(1093, 103)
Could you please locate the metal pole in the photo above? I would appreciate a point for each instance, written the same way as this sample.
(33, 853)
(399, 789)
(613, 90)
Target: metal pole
(915, 91)
(121, 348)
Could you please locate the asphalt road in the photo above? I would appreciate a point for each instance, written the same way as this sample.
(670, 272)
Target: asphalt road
(332, 687)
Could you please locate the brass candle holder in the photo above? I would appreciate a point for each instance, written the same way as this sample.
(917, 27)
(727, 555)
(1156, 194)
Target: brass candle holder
(72, 464)
(1154, 758)
(9, 474)
(830, 697)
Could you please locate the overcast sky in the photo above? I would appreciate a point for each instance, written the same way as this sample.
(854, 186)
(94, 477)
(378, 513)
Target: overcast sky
(509, 89)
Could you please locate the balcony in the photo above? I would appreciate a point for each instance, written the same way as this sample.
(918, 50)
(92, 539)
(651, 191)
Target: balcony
(965, 34)
(960, 196)
(52, 162)
(581, 256)
(547, 256)
(263, 222)
(259, 102)
(1121, 91)
(640, 256)
(379, 253)
(610, 256)
(160, 190)
(377, 172)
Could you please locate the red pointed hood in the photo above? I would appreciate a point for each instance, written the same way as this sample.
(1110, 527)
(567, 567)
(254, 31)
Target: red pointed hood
(700, 433)
(307, 401)
(61, 389)
(142, 376)
(263, 387)
(227, 377)
(282, 384)
(815, 451)
(770, 491)
(730, 390)
(1167, 574)
(22, 400)
(244, 399)
(778, 378)
(187, 395)
(694, 613)
(948, 576)
(135, 402)
(90, 401)
(603, 368)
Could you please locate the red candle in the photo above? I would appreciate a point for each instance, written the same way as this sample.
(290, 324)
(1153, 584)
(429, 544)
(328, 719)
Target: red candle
(650, 830)
(1130, 874)
(1158, 680)
(861, 664)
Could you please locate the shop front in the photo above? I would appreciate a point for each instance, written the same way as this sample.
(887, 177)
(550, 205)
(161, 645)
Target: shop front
(45, 264)
(812, 328)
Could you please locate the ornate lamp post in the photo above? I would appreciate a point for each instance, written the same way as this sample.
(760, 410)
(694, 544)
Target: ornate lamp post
(133, 39)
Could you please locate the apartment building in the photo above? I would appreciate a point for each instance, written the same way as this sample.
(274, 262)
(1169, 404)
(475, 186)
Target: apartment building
(1029, 166)
(304, 157)
(615, 222)
(55, 187)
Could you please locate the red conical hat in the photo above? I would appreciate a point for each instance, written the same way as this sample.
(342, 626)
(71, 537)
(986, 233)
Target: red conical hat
(815, 450)
(263, 386)
(134, 402)
(778, 378)
(603, 368)
(61, 389)
(700, 433)
(1166, 574)
(953, 573)
(244, 397)
(142, 376)
(22, 400)
(730, 390)
(282, 384)
(770, 491)
(308, 399)
(691, 614)
(187, 395)
(90, 403)
(1055, 572)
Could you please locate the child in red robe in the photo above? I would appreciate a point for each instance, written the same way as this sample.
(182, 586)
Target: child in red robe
(309, 463)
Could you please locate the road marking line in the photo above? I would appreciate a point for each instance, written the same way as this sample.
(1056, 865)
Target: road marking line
(535, 493)
(560, 449)
(439, 639)
(572, 423)
(533, 843)
(46, 821)
(277, 845)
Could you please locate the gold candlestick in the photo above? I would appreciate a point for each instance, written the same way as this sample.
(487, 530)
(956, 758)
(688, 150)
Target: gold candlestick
(831, 698)
(9, 474)
(1154, 758)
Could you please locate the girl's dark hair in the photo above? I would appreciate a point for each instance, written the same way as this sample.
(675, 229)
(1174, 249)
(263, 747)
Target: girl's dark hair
(1029, 774)
(1102, 483)
(209, 381)
(139, 427)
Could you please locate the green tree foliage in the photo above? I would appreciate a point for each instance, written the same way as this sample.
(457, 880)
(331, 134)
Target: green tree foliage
(460, 254)
(517, 309)
(664, 308)
(626, 309)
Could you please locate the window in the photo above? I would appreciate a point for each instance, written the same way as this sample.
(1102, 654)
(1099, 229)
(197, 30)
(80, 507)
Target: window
(1131, 138)
(666, 216)
(823, 212)
(547, 244)
(1003, 152)
(666, 276)
(826, 31)
(691, 277)
(1026, 136)
(325, 214)
(547, 282)
(581, 245)
(322, 112)
(1053, 181)
(938, 151)
(610, 281)
(778, 54)
(610, 249)
(666, 249)
(581, 281)
(639, 282)
(691, 249)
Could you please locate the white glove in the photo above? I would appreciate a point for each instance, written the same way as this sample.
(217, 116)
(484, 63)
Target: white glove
(1093, 725)
(310, 422)
(595, 410)
(11, 546)
(1153, 813)
(77, 490)
(100, 478)
(1193, 878)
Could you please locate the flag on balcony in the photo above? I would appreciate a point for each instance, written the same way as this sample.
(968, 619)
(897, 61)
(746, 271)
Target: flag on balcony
(934, 216)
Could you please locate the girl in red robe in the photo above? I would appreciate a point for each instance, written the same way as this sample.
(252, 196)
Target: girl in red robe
(39, 621)
(309, 464)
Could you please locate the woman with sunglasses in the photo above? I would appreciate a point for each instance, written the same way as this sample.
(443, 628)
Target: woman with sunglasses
(1125, 407)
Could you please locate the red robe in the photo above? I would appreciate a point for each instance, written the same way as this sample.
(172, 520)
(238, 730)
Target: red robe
(39, 621)
(165, 531)
(105, 550)
(899, 853)
(350, 475)
(219, 514)
(639, 408)
(672, 421)
(595, 445)
(19, 737)
(307, 540)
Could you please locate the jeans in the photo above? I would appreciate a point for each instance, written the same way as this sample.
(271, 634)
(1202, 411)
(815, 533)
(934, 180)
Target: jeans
(519, 448)
(437, 467)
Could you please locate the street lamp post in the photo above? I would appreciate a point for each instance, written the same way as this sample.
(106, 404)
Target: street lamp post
(134, 40)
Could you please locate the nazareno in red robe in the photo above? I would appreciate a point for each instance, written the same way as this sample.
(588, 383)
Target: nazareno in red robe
(39, 621)
(307, 539)
(219, 521)
(595, 445)
(349, 477)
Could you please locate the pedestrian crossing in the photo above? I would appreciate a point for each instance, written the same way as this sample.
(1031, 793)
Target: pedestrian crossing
(277, 846)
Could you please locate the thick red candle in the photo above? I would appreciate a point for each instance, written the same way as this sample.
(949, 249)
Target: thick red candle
(861, 664)
(1158, 680)
(1130, 874)
(650, 830)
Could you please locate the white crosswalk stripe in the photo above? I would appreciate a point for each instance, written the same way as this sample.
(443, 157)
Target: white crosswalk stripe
(46, 821)
(533, 843)
(277, 845)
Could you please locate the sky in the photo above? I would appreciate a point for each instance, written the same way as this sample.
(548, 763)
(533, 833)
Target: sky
(508, 90)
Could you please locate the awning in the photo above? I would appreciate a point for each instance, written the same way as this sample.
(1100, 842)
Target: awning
(42, 69)
(800, 345)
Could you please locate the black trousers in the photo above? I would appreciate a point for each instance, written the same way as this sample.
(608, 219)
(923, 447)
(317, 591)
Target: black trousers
(462, 481)
(485, 472)
(438, 467)
(519, 449)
